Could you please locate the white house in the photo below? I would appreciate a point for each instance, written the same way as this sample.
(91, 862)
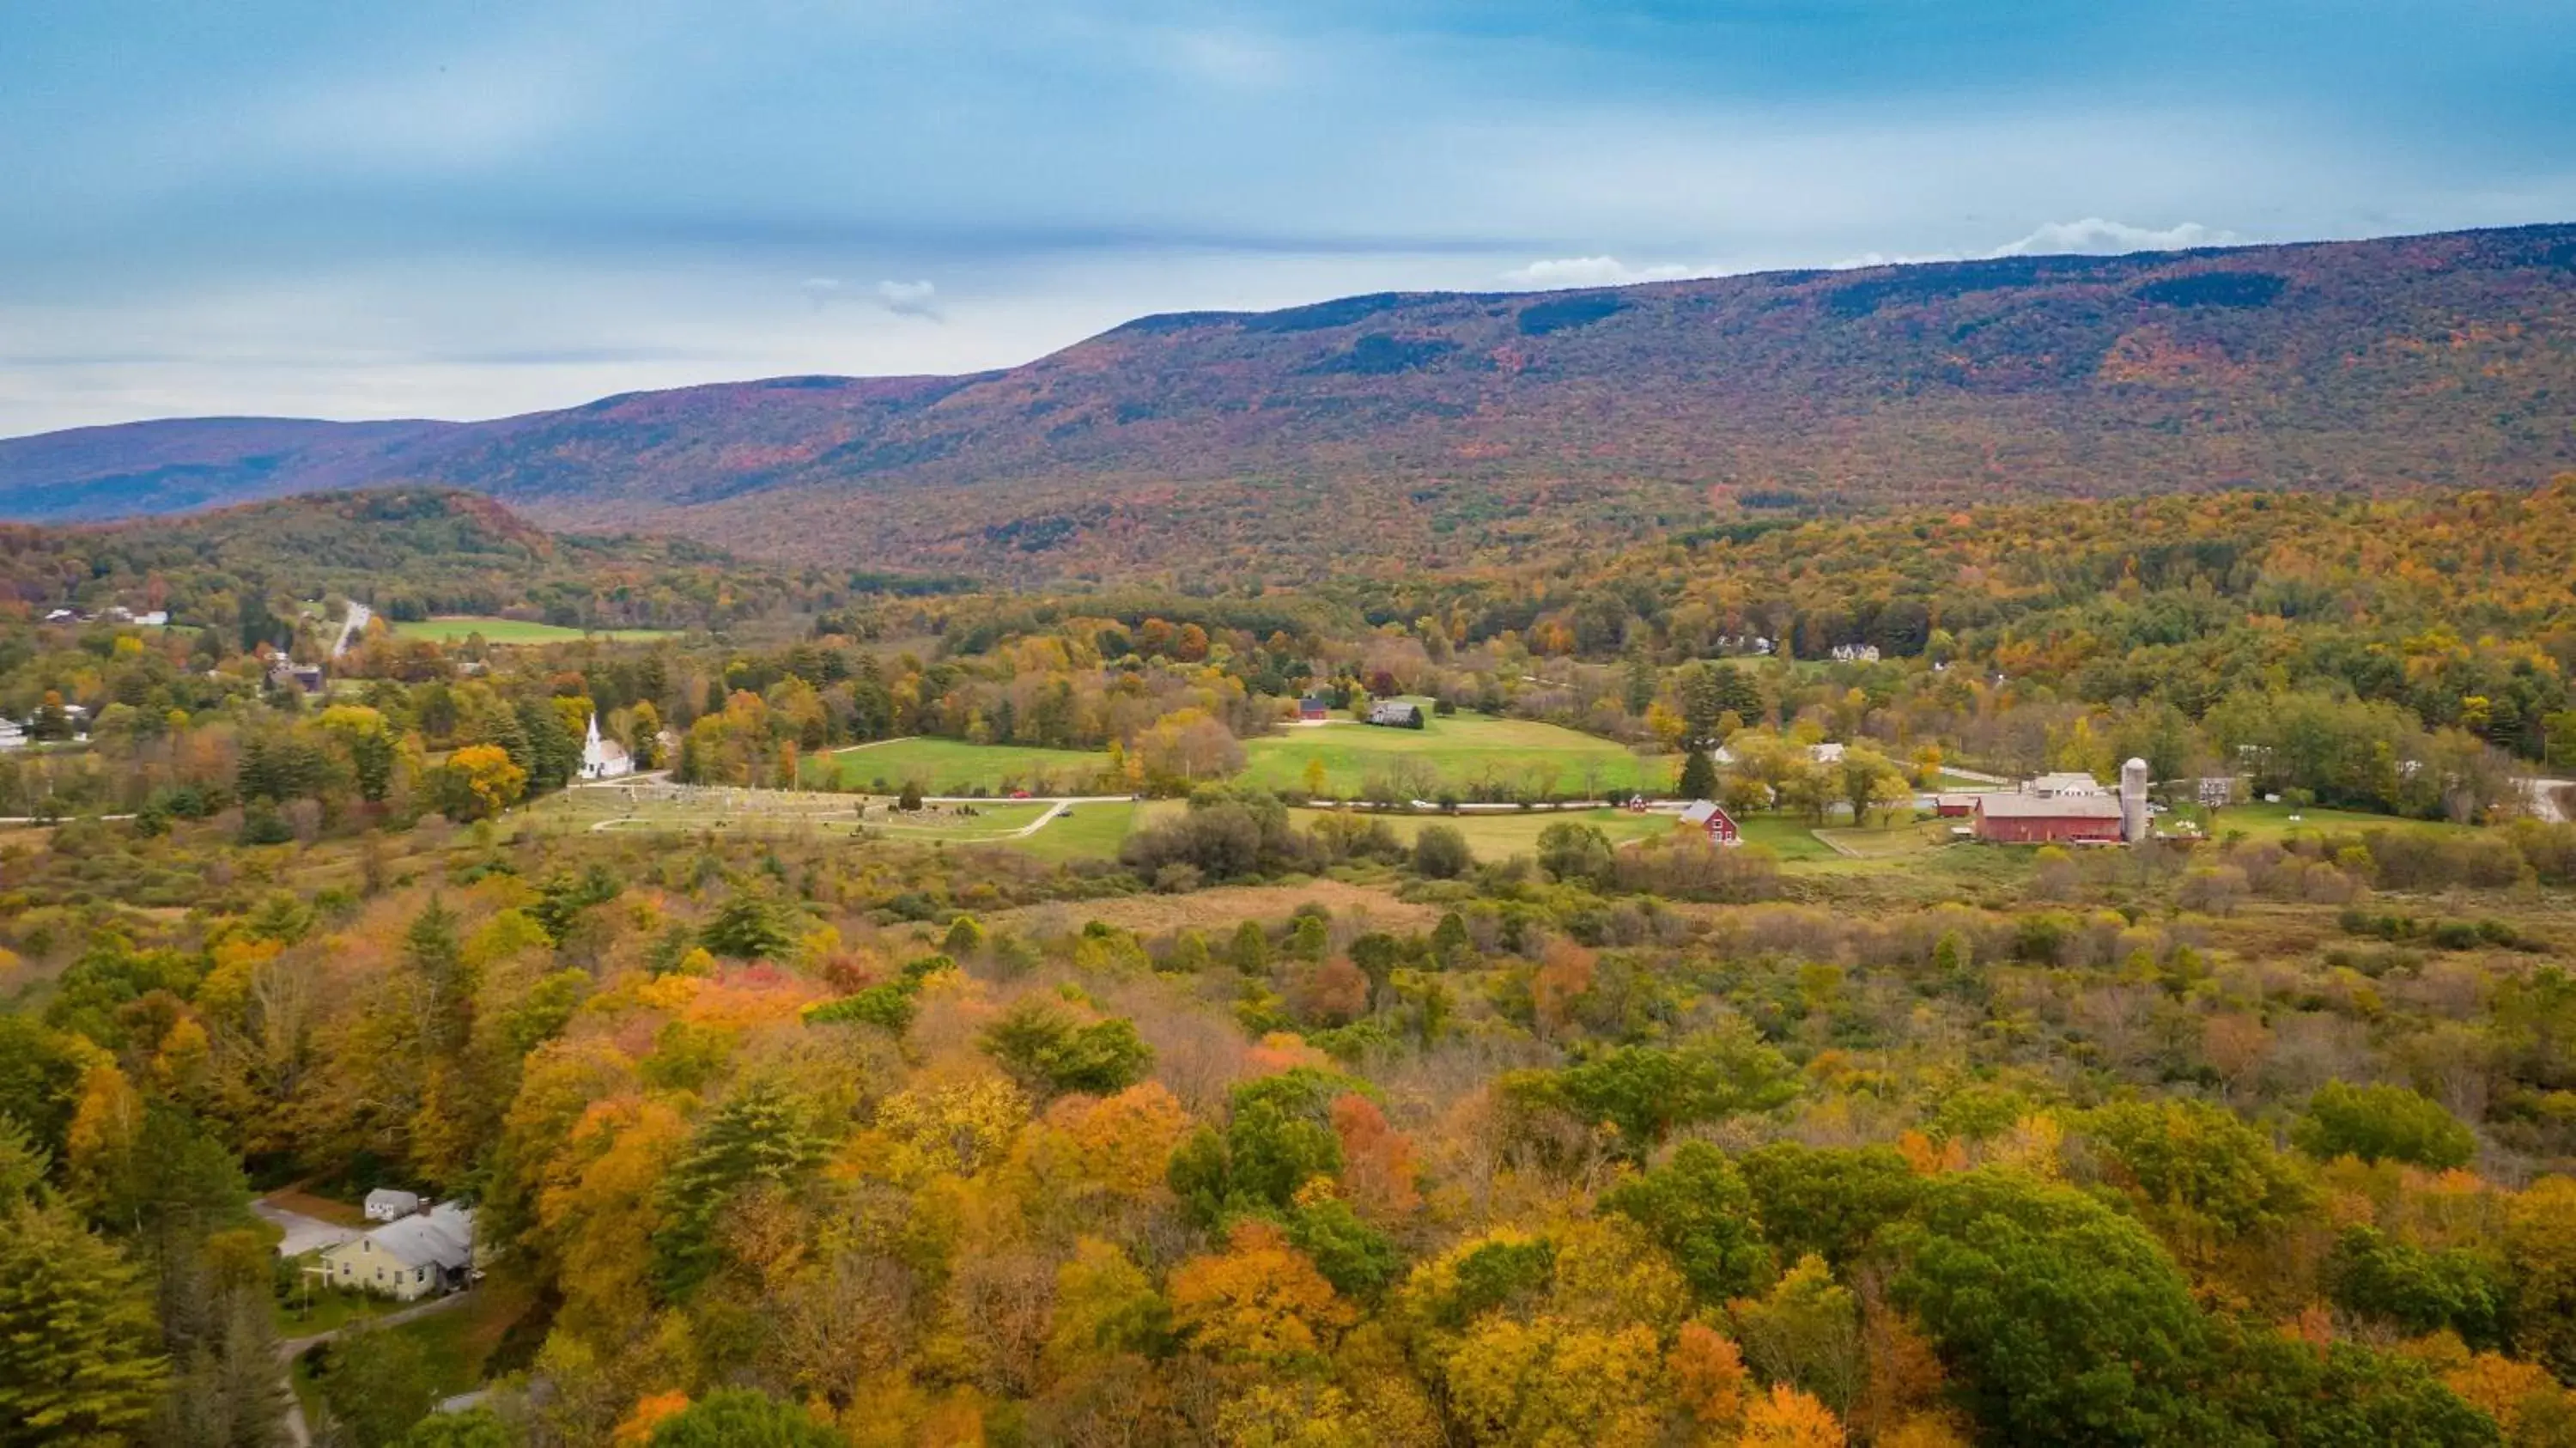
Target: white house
(1828, 753)
(385, 1204)
(409, 1258)
(603, 758)
(13, 735)
(2066, 783)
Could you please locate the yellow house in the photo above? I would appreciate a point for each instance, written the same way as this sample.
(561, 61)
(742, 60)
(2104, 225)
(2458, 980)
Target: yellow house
(408, 1258)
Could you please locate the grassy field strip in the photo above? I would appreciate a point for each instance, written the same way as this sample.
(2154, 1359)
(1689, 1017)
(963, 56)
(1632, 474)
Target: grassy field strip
(455, 628)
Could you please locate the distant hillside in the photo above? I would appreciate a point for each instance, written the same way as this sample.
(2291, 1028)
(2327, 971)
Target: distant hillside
(410, 551)
(1419, 428)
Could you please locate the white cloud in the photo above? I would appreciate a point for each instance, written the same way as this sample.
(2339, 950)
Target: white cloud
(1596, 271)
(909, 299)
(2094, 236)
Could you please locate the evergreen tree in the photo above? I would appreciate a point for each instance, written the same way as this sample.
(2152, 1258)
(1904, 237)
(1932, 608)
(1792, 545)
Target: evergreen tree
(79, 1362)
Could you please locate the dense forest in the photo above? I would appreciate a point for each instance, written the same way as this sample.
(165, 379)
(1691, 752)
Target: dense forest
(1310, 1107)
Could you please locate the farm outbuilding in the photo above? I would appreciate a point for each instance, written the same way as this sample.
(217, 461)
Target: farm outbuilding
(1396, 714)
(1713, 820)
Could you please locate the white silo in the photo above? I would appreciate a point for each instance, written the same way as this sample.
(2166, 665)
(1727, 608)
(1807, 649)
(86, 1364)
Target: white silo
(2133, 800)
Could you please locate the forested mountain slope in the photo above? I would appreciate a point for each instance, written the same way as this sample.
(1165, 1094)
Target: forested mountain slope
(1404, 428)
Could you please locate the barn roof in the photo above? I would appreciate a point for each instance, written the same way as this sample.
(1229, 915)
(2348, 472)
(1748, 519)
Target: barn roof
(2049, 807)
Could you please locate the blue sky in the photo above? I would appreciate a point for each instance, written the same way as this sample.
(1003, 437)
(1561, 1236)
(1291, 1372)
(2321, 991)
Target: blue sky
(352, 209)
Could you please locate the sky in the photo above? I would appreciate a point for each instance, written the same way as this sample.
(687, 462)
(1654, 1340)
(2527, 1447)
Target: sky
(343, 208)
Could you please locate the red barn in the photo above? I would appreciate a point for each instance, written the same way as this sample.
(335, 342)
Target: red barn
(1703, 815)
(2063, 819)
(1954, 806)
(1314, 708)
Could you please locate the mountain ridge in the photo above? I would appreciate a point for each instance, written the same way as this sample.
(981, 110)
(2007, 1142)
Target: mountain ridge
(1448, 426)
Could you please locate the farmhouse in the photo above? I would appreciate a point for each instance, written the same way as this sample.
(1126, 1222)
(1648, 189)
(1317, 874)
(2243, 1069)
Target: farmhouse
(408, 1258)
(1395, 714)
(2072, 782)
(2036, 819)
(1705, 815)
(603, 758)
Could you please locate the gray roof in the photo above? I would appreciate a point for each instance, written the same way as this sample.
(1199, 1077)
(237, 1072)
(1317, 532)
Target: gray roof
(442, 1238)
(1700, 812)
(2049, 807)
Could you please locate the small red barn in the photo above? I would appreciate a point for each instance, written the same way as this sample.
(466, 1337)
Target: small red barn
(1705, 815)
(1314, 709)
(1954, 806)
(2064, 819)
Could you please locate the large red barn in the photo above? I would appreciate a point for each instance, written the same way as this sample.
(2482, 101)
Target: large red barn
(2064, 819)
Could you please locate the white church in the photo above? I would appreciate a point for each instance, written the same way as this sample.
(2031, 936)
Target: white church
(603, 758)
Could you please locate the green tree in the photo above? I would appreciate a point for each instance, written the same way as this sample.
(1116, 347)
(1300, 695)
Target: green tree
(473, 1428)
(377, 1383)
(2467, 1291)
(2061, 1320)
(1699, 775)
(1045, 1049)
(1698, 1208)
(761, 1135)
(2382, 1123)
(1441, 853)
(79, 1359)
(2280, 1389)
(741, 1418)
(2195, 1168)
(1826, 1201)
(1575, 853)
(1646, 1091)
(751, 925)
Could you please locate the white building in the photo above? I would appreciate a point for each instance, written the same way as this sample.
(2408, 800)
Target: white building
(603, 758)
(13, 735)
(2065, 783)
(385, 1204)
(410, 1258)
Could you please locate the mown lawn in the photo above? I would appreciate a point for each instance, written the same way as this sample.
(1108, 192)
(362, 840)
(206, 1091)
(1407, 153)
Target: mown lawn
(1501, 836)
(952, 766)
(2274, 821)
(1083, 832)
(1458, 753)
(456, 628)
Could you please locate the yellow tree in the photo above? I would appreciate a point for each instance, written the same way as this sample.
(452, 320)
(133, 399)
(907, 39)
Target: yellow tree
(1261, 1300)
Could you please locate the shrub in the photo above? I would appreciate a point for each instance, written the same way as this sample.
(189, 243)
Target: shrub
(2382, 1123)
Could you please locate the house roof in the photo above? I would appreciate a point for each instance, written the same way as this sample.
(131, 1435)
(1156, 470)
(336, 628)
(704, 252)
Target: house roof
(2066, 782)
(1700, 812)
(2048, 807)
(443, 1238)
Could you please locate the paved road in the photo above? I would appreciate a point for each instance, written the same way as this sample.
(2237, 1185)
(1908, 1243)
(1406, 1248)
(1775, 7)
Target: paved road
(303, 1234)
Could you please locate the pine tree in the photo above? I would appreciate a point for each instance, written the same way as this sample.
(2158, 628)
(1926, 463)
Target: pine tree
(1699, 775)
(78, 1363)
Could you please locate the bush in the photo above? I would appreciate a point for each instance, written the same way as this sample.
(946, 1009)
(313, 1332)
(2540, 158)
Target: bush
(1441, 853)
(2382, 1123)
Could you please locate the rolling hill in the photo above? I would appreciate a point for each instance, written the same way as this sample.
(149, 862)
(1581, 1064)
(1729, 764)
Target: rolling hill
(1405, 429)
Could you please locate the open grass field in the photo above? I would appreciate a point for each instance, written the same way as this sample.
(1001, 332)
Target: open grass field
(662, 809)
(1501, 836)
(456, 628)
(952, 766)
(1455, 753)
(2274, 821)
(1086, 832)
